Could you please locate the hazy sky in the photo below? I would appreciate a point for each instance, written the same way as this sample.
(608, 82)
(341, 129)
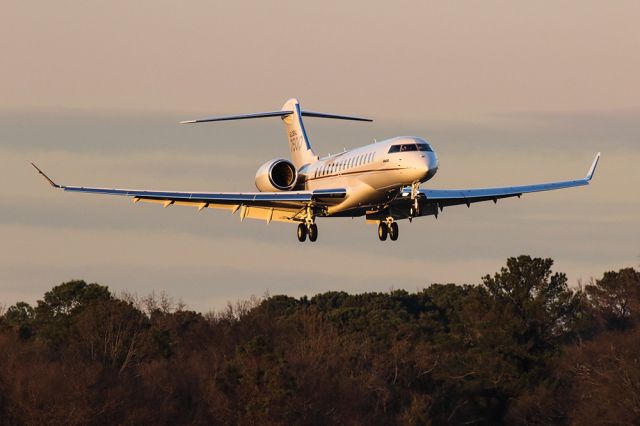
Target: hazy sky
(507, 92)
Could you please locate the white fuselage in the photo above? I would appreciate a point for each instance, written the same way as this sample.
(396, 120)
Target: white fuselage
(372, 174)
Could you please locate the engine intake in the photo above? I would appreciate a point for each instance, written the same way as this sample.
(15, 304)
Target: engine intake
(276, 175)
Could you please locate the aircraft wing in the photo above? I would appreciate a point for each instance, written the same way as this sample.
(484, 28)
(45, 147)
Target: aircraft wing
(433, 199)
(288, 206)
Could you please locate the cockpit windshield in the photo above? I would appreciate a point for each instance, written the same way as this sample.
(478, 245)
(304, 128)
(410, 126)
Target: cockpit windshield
(410, 147)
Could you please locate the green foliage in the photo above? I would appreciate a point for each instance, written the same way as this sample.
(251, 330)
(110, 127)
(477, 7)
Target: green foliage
(616, 296)
(70, 297)
(54, 315)
(521, 348)
(20, 317)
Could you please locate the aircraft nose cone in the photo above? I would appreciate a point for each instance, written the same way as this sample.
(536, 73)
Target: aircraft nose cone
(430, 166)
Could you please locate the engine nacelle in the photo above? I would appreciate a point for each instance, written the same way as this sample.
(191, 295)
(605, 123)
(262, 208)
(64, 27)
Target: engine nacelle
(276, 175)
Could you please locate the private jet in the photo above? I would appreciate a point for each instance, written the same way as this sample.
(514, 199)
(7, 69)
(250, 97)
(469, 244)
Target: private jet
(380, 181)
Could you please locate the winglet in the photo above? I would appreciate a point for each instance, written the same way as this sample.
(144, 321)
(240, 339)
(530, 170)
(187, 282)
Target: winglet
(52, 183)
(593, 168)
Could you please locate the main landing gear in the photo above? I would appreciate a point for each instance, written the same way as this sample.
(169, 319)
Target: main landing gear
(305, 230)
(308, 227)
(388, 228)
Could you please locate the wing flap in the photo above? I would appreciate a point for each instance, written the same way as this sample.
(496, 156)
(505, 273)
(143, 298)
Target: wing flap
(288, 199)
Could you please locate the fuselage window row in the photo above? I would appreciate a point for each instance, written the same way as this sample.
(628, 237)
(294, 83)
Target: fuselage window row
(349, 163)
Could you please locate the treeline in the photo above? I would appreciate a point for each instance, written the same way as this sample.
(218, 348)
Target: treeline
(521, 348)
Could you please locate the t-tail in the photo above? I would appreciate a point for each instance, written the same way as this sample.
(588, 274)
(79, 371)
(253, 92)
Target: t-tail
(301, 152)
(291, 114)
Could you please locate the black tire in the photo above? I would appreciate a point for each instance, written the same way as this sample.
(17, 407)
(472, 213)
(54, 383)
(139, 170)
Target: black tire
(382, 231)
(393, 231)
(313, 232)
(302, 232)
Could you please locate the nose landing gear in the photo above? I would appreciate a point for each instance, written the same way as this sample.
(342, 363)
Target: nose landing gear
(388, 228)
(415, 207)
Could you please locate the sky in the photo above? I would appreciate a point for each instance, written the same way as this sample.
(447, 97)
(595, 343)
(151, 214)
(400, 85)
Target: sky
(506, 92)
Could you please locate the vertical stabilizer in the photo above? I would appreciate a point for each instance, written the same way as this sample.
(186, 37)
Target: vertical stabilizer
(299, 146)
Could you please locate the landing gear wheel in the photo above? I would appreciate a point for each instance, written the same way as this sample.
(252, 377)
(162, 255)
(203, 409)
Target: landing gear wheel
(302, 232)
(382, 231)
(393, 231)
(313, 232)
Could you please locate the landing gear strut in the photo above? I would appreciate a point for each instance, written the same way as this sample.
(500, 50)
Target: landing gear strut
(388, 228)
(415, 207)
(308, 228)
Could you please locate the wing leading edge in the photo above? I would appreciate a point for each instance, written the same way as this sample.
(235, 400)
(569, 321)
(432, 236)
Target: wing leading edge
(284, 206)
(449, 197)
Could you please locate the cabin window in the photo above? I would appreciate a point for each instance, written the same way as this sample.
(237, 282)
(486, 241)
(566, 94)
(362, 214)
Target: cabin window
(409, 147)
(394, 148)
(424, 147)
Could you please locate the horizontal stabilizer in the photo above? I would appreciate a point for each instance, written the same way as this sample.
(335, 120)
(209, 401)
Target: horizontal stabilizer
(281, 114)
(334, 116)
(239, 117)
